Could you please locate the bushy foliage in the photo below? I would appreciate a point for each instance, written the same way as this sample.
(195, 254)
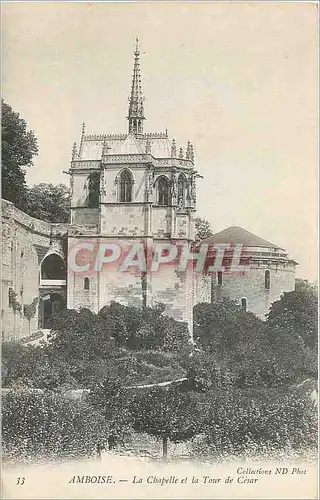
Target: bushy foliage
(296, 312)
(29, 366)
(49, 425)
(146, 328)
(249, 352)
(256, 423)
(202, 228)
(85, 348)
(80, 335)
(167, 413)
(18, 146)
(113, 401)
(115, 339)
(48, 202)
(237, 395)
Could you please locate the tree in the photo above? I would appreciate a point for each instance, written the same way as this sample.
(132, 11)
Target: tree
(113, 402)
(221, 326)
(256, 424)
(19, 146)
(137, 345)
(242, 350)
(202, 228)
(296, 311)
(168, 414)
(147, 328)
(48, 202)
(49, 425)
(238, 344)
(79, 335)
(31, 366)
(29, 310)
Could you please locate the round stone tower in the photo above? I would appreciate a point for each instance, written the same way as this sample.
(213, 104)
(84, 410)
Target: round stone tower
(268, 273)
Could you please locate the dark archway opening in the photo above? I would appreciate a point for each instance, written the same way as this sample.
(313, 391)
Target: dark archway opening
(126, 184)
(163, 191)
(53, 268)
(94, 190)
(244, 304)
(50, 304)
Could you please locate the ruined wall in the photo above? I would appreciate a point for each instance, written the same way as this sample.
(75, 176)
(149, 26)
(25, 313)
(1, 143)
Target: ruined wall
(25, 241)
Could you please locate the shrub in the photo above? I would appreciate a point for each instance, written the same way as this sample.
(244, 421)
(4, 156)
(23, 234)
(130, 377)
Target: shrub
(253, 424)
(49, 425)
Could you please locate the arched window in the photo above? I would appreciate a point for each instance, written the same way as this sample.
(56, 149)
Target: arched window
(94, 190)
(219, 276)
(163, 191)
(125, 187)
(267, 279)
(182, 186)
(244, 303)
(53, 268)
(86, 284)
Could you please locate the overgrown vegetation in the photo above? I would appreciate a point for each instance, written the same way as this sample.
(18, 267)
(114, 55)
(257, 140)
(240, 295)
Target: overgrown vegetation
(240, 391)
(47, 202)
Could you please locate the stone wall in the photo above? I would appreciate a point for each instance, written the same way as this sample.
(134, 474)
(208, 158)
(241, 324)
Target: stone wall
(129, 287)
(25, 241)
(250, 285)
(124, 219)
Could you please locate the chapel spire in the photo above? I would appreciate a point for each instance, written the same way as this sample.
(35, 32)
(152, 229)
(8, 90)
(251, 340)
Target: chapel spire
(136, 111)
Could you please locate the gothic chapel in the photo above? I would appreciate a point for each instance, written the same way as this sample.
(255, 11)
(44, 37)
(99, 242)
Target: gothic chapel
(133, 186)
(126, 189)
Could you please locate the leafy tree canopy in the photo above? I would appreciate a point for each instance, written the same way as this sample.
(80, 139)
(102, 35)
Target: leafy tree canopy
(19, 146)
(29, 366)
(202, 228)
(297, 312)
(146, 328)
(48, 202)
(137, 345)
(49, 425)
(113, 401)
(167, 413)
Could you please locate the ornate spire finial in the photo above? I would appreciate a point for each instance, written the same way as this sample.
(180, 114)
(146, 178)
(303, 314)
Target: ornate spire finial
(137, 51)
(74, 150)
(148, 146)
(83, 128)
(173, 149)
(181, 154)
(136, 109)
(191, 153)
(188, 151)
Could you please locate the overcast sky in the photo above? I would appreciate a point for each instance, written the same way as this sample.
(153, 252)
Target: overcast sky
(239, 80)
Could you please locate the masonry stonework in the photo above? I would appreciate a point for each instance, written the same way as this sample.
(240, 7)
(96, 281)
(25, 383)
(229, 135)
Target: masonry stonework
(26, 242)
(268, 273)
(126, 188)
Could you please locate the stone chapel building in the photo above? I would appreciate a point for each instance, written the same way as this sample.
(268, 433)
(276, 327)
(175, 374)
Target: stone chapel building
(126, 188)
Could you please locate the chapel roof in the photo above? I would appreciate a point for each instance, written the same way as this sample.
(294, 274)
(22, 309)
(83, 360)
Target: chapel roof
(158, 145)
(240, 236)
(135, 141)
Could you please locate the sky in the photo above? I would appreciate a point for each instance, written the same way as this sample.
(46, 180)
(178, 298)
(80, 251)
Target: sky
(237, 79)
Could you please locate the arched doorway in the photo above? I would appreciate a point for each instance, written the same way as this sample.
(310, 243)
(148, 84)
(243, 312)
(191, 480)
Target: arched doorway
(50, 304)
(53, 269)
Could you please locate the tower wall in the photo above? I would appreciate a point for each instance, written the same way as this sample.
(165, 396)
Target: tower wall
(251, 286)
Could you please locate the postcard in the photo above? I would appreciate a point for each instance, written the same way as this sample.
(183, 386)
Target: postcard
(159, 250)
